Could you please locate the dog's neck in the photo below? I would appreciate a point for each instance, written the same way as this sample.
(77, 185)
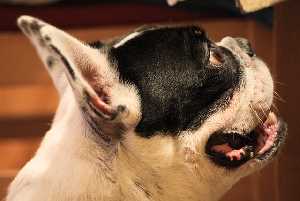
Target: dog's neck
(78, 133)
(116, 171)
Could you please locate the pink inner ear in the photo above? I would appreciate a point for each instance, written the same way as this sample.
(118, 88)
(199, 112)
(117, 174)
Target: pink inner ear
(102, 106)
(100, 101)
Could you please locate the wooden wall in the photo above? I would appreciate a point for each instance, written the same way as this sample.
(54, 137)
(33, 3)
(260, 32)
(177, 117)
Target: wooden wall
(28, 100)
(287, 60)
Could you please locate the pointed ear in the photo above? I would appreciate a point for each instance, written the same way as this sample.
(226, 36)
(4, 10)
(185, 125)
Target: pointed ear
(86, 70)
(31, 28)
(88, 73)
(109, 106)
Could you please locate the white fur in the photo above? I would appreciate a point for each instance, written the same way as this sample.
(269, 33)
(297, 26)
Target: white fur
(73, 164)
(127, 38)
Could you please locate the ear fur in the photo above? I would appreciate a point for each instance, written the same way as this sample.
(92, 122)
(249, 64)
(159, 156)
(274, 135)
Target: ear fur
(83, 67)
(31, 28)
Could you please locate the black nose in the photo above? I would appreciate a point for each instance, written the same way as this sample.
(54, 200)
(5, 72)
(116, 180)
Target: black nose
(245, 45)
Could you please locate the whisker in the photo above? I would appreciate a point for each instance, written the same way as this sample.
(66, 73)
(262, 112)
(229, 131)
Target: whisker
(275, 107)
(257, 116)
(278, 97)
(263, 111)
(280, 83)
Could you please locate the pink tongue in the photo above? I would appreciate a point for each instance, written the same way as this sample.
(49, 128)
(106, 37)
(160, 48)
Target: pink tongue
(228, 151)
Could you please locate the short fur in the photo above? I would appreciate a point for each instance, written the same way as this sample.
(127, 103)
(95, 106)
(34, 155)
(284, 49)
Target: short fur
(135, 115)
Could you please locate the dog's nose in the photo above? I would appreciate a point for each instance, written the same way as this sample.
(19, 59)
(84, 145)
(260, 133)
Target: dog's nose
(245, 45)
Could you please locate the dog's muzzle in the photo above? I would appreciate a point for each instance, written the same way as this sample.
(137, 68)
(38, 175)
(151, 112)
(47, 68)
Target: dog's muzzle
(232, 149)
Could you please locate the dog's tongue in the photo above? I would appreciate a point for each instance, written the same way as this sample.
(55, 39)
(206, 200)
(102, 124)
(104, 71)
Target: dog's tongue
(267, 133)
(229, 152)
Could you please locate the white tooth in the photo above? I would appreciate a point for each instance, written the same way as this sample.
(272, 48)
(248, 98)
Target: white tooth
(272, 119)
(251, 154)
(268, 131)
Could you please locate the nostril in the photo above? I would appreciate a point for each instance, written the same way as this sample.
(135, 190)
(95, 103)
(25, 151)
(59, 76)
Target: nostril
(245, 45)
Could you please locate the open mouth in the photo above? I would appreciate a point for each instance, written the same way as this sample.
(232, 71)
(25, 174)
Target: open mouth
(234, 149)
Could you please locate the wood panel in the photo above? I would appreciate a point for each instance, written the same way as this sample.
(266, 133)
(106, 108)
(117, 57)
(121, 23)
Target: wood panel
(6, 176)
(87, 14)
(287, 54)
(15, 152)
(27, 101)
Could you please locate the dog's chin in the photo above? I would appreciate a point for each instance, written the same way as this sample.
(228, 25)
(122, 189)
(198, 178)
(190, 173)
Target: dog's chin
(231, 150)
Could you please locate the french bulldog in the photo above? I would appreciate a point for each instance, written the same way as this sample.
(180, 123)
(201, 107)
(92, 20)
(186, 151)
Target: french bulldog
(162, 114)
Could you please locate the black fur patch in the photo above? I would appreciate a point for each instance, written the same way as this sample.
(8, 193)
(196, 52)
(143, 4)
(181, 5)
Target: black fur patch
(35, 26)
(50, 61)
(96, 44)
(177, 85)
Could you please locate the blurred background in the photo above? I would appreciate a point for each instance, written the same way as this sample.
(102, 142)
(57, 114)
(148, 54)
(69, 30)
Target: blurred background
(28, 99)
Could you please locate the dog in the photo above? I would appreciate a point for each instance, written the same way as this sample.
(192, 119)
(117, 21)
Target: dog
(162, 114)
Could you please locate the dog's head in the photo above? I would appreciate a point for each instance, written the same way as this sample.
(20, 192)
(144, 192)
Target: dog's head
(188, 109)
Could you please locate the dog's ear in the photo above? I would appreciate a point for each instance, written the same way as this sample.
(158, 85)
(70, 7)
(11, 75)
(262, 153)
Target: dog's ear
(88, 73)
(31, 27)
(83, 67)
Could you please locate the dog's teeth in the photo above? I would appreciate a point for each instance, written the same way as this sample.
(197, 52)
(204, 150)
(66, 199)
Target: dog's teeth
(272, 119)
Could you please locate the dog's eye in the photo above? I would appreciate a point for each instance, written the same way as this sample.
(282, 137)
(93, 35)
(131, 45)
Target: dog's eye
(216, 57)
